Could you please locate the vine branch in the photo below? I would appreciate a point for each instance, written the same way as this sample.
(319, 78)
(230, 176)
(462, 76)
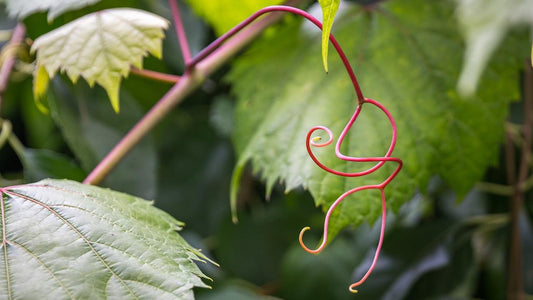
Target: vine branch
(515, 286)
(180, 31)
(193, 78)
(158, 76)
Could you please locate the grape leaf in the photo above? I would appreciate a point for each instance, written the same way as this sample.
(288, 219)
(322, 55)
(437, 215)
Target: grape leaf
(484, 24)
(329, 9)
(22, 9)
(224, 14)
(66, 240)
(406, 60)
(100, 47)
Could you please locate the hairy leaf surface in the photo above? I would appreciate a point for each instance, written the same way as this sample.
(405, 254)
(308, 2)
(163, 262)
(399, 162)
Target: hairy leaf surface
(100, 47)
(405, 59)
(22, 9)
(224, 14)
(65, 240)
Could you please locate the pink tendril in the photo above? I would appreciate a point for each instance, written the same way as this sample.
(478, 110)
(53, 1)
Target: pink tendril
(381, 187)
(315, 142)
(278, 8)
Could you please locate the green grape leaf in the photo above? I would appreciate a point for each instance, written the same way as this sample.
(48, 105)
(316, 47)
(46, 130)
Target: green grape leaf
(22, 9)
(224, 14)
(66, 240)
(406, 60)
(329, 10)
(101, 47)
(484, 24)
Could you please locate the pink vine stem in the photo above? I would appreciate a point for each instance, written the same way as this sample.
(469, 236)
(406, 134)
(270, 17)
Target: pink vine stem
(279, 8)
(180, 31)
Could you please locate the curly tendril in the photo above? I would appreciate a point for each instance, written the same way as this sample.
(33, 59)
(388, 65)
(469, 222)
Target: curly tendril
(380, 161)
(317, 141)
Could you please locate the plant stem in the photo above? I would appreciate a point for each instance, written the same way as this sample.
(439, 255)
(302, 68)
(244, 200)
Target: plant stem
(180, 31)
(174, 96)
(158, 76)
(18, 36)
(188, 83)
(515, 286)
(277, 9)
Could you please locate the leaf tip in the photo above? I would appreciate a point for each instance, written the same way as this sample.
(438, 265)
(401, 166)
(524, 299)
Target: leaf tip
(112, 93)
(235, 184)
(41, 80)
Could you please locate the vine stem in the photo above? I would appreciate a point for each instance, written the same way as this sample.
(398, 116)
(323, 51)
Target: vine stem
(180, 31)
(515, 286)
(280, 8)
(158, 76)
(193, 78)
(16, 38)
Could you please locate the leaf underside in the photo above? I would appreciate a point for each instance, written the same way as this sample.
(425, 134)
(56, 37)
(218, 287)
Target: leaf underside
(100, 47)
(66, 240)
(22, 9)
(408, 61)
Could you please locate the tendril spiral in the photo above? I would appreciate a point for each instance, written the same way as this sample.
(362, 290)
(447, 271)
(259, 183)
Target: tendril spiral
(379, 162)
(318, 142)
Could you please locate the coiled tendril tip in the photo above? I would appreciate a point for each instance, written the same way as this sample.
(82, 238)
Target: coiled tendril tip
(317, 140)
(302, 244)
(352, 286)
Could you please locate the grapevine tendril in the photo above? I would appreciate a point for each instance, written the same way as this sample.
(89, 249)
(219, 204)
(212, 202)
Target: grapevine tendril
(318, 142)
(380, 161)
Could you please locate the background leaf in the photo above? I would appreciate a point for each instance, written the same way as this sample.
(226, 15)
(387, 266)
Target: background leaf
(78, 241)
(101, 47)
(485, 23)
(329, 10)
(392, 49)
(41, 163)
(224, 14)
(22, 9)
(91, 129)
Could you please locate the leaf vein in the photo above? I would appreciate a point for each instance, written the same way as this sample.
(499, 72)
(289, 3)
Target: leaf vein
(77, 232)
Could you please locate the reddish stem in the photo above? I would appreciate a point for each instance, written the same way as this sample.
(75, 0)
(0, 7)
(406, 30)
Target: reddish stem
(163, 77)
(180, 31)
(279, 8)
(188, 83)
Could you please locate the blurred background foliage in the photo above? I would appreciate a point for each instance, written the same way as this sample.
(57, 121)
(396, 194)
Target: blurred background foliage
(437, 246)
